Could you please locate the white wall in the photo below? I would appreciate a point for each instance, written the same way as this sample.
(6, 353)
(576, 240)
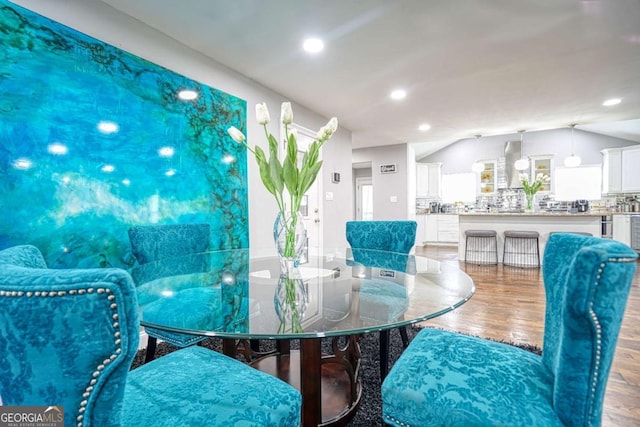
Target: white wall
(386, 186)
(102, 22)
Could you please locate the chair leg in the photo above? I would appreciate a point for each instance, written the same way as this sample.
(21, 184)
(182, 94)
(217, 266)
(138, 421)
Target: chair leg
(151, 349)
(384, 354)
(404, 336)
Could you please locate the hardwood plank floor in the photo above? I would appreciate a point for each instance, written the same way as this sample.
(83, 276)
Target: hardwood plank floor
(509, 305)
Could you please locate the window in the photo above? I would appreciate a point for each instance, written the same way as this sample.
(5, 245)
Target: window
(583, 182)
(459, 187)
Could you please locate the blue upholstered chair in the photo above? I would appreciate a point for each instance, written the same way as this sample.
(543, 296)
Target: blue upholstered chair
(69, 337)
(390, 236)
(449, 379)
(151, 243)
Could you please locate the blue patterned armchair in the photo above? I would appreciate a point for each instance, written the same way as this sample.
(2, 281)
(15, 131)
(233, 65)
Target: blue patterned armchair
(151, 243)
(69, 337)
(449, 379)
(390, 236)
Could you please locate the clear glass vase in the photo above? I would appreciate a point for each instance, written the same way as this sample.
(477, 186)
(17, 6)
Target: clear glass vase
(290, 301)
(290, 236)
(529, 198)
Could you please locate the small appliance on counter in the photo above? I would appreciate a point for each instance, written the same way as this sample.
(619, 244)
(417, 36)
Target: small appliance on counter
(434, 207)
(580, 206)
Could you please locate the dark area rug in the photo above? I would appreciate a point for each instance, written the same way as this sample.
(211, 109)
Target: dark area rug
(370, 412)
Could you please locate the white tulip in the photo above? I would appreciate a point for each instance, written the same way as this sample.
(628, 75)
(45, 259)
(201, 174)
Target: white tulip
(236, 134)
(286, 113)
(333, 125)
(262, 113)
(321, 132)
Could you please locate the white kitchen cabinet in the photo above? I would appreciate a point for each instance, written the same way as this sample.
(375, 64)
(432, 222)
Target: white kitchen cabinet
(622, 228)
(620, 172)
(442, 229)
(421, 230)
(612, 170)
(488, 177)
(542, 164)
(431, 232)
(630, 170)
(428, 180)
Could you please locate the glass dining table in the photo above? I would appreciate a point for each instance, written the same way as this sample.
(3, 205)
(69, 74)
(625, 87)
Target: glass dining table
(336, 295)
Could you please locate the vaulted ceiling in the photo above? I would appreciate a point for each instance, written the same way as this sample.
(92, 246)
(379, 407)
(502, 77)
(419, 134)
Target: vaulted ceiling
(469, 67)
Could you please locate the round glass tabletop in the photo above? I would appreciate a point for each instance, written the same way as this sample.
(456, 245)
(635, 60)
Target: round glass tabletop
(241, 294)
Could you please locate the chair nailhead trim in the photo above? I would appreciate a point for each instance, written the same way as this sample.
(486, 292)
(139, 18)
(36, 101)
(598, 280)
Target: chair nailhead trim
(116, 325)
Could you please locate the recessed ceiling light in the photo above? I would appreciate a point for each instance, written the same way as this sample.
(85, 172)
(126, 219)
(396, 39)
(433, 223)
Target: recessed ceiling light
(313, 45)
(399, 94)
(424, 127)
(187, 95)
(612, 101)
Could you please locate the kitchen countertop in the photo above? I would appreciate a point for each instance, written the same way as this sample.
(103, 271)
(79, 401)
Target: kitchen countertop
(554, 214)
(541, 213)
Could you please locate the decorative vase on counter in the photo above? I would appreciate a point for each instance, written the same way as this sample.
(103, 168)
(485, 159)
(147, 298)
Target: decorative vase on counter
(290, 236)
(529, 206)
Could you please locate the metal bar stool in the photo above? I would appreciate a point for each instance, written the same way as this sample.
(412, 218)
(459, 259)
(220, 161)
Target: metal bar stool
(481, 247)
(521, 249)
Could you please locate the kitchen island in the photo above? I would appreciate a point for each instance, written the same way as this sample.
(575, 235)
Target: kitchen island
(542, 222)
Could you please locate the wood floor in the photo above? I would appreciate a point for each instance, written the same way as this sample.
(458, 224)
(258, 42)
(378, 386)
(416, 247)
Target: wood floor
(509, 305)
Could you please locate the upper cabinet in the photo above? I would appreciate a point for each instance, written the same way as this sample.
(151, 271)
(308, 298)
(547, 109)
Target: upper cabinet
(620, 170)
(543, 164)
(630, 172)
(488, 177)
(428, 180)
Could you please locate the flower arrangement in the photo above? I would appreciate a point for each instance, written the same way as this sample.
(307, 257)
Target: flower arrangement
(291, 174)
(531, 188)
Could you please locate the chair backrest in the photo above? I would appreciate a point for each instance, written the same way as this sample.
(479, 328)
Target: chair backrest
(392, 236)
(587, 282)
(155, 242)
(67, 337)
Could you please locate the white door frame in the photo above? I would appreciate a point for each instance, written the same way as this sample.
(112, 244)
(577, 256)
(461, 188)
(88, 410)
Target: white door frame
(313, 219)
(362, 180)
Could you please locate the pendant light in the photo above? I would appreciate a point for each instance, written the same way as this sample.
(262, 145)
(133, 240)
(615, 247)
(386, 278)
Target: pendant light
(572, 161)
(523, 163)
(477, 166)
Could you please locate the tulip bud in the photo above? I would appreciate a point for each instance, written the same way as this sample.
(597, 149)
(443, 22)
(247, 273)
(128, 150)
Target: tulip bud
(321, 132)
(332, 125)
(262, 113)
(286, 114)
(236, 134)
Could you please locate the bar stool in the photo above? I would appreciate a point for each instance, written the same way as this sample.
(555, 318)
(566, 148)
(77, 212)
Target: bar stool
(481, 247)
(521, 249)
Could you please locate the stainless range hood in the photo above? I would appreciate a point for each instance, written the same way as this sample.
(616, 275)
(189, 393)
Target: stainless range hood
(512, 152)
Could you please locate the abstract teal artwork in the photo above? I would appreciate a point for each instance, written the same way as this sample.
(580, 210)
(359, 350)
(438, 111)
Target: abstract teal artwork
(94, 140)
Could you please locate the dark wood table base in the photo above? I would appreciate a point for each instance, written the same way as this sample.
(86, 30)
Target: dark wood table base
(329, 383)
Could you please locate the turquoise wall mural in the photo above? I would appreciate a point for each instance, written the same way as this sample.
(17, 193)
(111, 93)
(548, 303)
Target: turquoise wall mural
(94, 140)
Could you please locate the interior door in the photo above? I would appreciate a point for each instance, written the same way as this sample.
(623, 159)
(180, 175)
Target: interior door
(364, 199)
(311, 207)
